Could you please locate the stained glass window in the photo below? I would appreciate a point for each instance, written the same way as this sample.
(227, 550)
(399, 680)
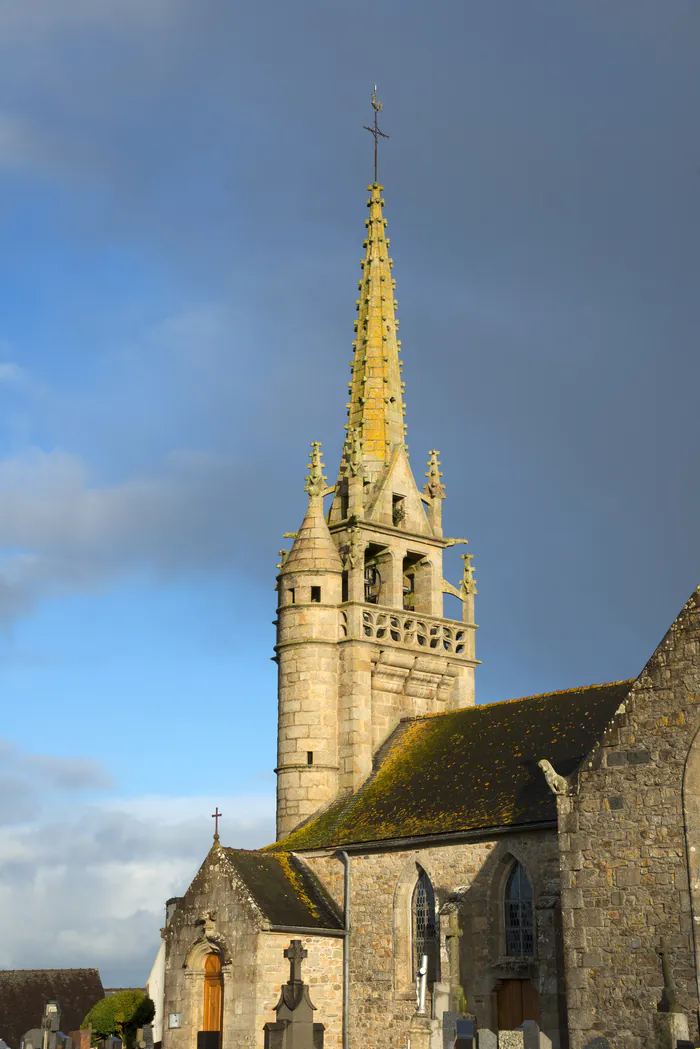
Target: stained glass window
(424, 925)
(518, 913)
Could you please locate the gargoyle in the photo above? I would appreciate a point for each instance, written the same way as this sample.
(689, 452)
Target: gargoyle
(556, 783)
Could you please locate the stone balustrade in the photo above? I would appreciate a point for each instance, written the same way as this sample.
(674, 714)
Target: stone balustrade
(408, 629)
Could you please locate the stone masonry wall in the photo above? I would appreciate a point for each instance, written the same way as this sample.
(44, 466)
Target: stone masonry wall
(213, 915)
(322, 971)
(381, 977)
(623, 854)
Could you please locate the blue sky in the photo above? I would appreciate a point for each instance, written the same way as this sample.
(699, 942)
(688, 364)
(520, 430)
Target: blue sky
(181, 215)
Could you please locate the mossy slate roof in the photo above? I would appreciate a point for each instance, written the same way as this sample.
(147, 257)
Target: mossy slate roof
(287, 893)
(25, 992)
(467, 770)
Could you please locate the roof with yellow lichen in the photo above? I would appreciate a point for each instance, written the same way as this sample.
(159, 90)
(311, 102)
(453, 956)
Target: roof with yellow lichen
(286, 892)
(467, 770)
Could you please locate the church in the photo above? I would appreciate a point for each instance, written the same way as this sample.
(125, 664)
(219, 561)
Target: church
(538, 858)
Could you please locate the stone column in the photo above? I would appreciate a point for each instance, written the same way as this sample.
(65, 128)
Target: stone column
(390, 567)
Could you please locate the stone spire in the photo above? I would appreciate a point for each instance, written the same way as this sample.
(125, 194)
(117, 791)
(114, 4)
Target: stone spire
(375, 409)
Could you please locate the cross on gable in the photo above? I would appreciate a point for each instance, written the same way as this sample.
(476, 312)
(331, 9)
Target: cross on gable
(216, 816)
(296, 954)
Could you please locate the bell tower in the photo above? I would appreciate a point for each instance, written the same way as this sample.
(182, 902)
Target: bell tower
(361, 637)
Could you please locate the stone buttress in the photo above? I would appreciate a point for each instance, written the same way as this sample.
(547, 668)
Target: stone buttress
(361, 636)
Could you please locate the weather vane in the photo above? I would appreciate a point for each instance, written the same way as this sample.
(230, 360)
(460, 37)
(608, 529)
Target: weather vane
(375, 130)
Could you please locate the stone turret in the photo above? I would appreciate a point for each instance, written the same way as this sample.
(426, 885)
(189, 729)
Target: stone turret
(369, 645)
(309, 587)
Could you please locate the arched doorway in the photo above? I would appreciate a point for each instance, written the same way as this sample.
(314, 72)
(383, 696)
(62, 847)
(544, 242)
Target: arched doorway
(210, 1036)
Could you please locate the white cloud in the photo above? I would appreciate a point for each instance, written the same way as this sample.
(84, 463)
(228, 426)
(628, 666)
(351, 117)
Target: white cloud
(84, 883)
(60, 531)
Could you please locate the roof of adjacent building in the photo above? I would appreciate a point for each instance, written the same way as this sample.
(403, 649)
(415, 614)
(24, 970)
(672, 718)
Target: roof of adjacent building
(287, 893)
(25, 992)
(467, 770)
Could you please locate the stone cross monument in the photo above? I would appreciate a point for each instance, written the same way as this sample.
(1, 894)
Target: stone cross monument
(294, 1027)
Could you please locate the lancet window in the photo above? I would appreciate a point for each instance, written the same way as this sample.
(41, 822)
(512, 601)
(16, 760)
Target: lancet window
(424, 925)
(517, 904)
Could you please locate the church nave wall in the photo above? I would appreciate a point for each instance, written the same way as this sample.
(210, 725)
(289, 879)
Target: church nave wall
(467, 877)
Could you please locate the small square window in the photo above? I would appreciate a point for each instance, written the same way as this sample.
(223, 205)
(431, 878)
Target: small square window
(398, 510)
(316, 593)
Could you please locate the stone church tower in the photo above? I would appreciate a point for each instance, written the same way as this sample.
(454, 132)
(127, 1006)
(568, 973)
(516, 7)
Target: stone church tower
(361, 637)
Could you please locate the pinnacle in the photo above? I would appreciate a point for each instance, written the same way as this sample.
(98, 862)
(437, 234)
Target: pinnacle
(313, 548)
(434, 488)
(315, 479)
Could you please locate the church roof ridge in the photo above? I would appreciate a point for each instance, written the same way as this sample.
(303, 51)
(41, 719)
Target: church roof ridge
(60, 969)
(523, 699)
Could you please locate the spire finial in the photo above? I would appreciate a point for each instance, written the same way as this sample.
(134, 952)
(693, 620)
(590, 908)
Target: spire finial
(315, 480)
(376, 106)
(434, 488)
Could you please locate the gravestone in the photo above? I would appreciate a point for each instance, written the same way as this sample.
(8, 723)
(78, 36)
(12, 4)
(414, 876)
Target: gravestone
(294, 1027)
(533, 1038)
(511, 1039)
(486, 1039)
(449, 1027)
(465, 1034)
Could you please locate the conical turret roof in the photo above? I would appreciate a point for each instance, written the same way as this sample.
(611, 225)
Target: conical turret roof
(314, 549)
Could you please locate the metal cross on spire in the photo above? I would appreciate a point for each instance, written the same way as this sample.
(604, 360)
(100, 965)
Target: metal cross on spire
(216, 816)
(375, 130)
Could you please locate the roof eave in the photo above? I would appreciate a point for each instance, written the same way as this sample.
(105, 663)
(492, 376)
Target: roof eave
(426, 840)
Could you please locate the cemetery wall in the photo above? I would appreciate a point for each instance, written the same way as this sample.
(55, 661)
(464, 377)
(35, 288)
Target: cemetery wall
(624, 869)
(472, 876)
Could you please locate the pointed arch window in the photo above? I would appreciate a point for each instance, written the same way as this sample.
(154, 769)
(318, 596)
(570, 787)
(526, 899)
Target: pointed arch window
(424, 925)
(520, 940)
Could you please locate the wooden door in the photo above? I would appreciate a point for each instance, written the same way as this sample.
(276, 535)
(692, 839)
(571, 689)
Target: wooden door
(213, 994)
(517, 1001)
